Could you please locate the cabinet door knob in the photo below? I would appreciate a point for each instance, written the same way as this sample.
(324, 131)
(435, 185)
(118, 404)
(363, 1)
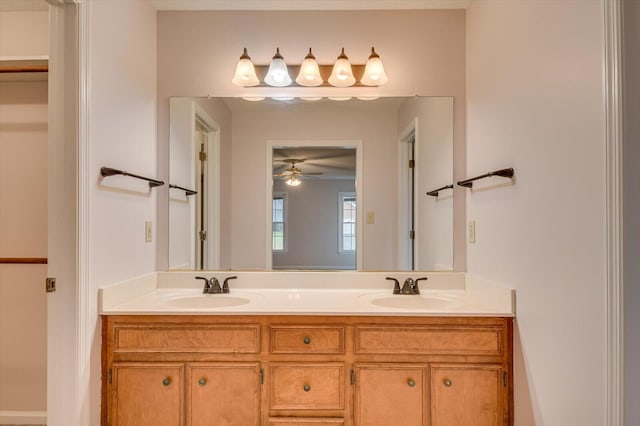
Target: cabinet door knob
(411, 383)
(307, 388)
(166, 381)
(202, 381)
(447, 382)
(307, 340)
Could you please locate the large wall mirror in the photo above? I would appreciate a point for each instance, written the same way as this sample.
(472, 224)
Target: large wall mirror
(322, 184)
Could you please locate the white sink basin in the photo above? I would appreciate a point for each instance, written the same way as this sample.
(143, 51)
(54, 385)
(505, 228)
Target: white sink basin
(207, 301)
(402, 301)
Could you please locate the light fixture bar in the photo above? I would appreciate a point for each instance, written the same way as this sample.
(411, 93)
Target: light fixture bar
(325, 72)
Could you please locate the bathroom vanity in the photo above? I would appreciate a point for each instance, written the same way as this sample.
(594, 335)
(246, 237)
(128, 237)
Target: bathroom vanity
(169, 359)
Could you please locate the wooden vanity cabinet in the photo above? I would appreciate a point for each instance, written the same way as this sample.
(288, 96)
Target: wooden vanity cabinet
(307, 371)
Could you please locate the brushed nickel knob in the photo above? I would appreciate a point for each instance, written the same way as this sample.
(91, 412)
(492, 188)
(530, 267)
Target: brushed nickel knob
(166, 381)
(447, 382)
(307, 388)
(307, 340)
(411, 383)
(202, 381)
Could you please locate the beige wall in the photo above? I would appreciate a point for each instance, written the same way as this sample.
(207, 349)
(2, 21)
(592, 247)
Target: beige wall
(24, 33)
(23, 233)
(535, 102)
(23, 219)
(423, 52)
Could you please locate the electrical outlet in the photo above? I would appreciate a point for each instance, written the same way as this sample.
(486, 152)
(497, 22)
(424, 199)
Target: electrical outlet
(472, 232)
(148, 234)
(371, 218)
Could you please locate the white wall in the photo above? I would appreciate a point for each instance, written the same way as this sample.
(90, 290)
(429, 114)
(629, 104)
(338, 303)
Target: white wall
(122, 135)
(535, 102)
(423, 52)
(433, 169)
(312, 225)
(632, 210)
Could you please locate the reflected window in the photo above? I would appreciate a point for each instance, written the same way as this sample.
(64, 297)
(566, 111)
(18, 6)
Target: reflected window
(346, 222)
(278, 228)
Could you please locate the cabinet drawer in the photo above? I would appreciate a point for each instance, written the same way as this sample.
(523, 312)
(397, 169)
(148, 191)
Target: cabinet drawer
(307, 339)
(307, 386)
(476, 340)
(230, 338)
(306, 421)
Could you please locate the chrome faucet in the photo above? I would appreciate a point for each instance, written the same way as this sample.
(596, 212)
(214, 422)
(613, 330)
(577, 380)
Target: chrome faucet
(212, 285)
(410, 286)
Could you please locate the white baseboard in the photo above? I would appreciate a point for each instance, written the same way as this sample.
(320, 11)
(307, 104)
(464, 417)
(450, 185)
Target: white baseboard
(23, 417)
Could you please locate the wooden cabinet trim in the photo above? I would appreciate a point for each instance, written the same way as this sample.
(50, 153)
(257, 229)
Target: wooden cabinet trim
(429, 339)
(306, 421)
(226, 338)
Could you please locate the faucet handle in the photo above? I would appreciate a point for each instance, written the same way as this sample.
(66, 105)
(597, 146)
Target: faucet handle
(206, 284)
(396, 286)
(416, 289)
(225, 284)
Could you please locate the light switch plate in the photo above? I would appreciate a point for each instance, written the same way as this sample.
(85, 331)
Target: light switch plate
(472, 232)
(148, 234)
(371, 218)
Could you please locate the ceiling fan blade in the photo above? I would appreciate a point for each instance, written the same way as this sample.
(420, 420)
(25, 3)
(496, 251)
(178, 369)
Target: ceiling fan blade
(310, 173)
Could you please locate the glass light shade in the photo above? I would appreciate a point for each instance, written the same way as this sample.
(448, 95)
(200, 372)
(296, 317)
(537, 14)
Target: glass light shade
(293, 181)
(309, 74)
(374, 74)
(342, 75)
(339, 98)
(278, 74)
(245, 75)
(368, 98)
(311, 98)
(254, 98)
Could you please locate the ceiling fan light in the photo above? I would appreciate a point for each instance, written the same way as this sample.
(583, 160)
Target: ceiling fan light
(309, 74)
(278, 74)
(245, 75)
(374, 74)
(293, 181)
(342, 75)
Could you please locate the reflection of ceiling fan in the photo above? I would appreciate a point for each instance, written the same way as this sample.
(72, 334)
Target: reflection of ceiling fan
(293, 173)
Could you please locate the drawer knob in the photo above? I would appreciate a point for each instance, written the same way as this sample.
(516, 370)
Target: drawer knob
(166, 381)
(447, 382)
(411, 383)
(202, 381)
(307, 340)
(306, 388)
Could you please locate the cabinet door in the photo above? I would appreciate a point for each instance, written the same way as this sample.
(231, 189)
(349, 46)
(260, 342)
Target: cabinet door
(390, 395)
(223, 394)
(147, 394)
(468, 395)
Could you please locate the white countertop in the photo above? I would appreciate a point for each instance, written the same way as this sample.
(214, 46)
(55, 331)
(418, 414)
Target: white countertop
(307, 293)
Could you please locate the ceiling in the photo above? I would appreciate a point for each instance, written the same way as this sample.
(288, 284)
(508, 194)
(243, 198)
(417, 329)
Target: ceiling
(308, 4)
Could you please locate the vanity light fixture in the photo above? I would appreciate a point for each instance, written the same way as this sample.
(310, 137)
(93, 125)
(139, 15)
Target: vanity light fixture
(293, 181)
(245, 75)
(278, 74)
(342, 75)
(309, 74)
(374, 74)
